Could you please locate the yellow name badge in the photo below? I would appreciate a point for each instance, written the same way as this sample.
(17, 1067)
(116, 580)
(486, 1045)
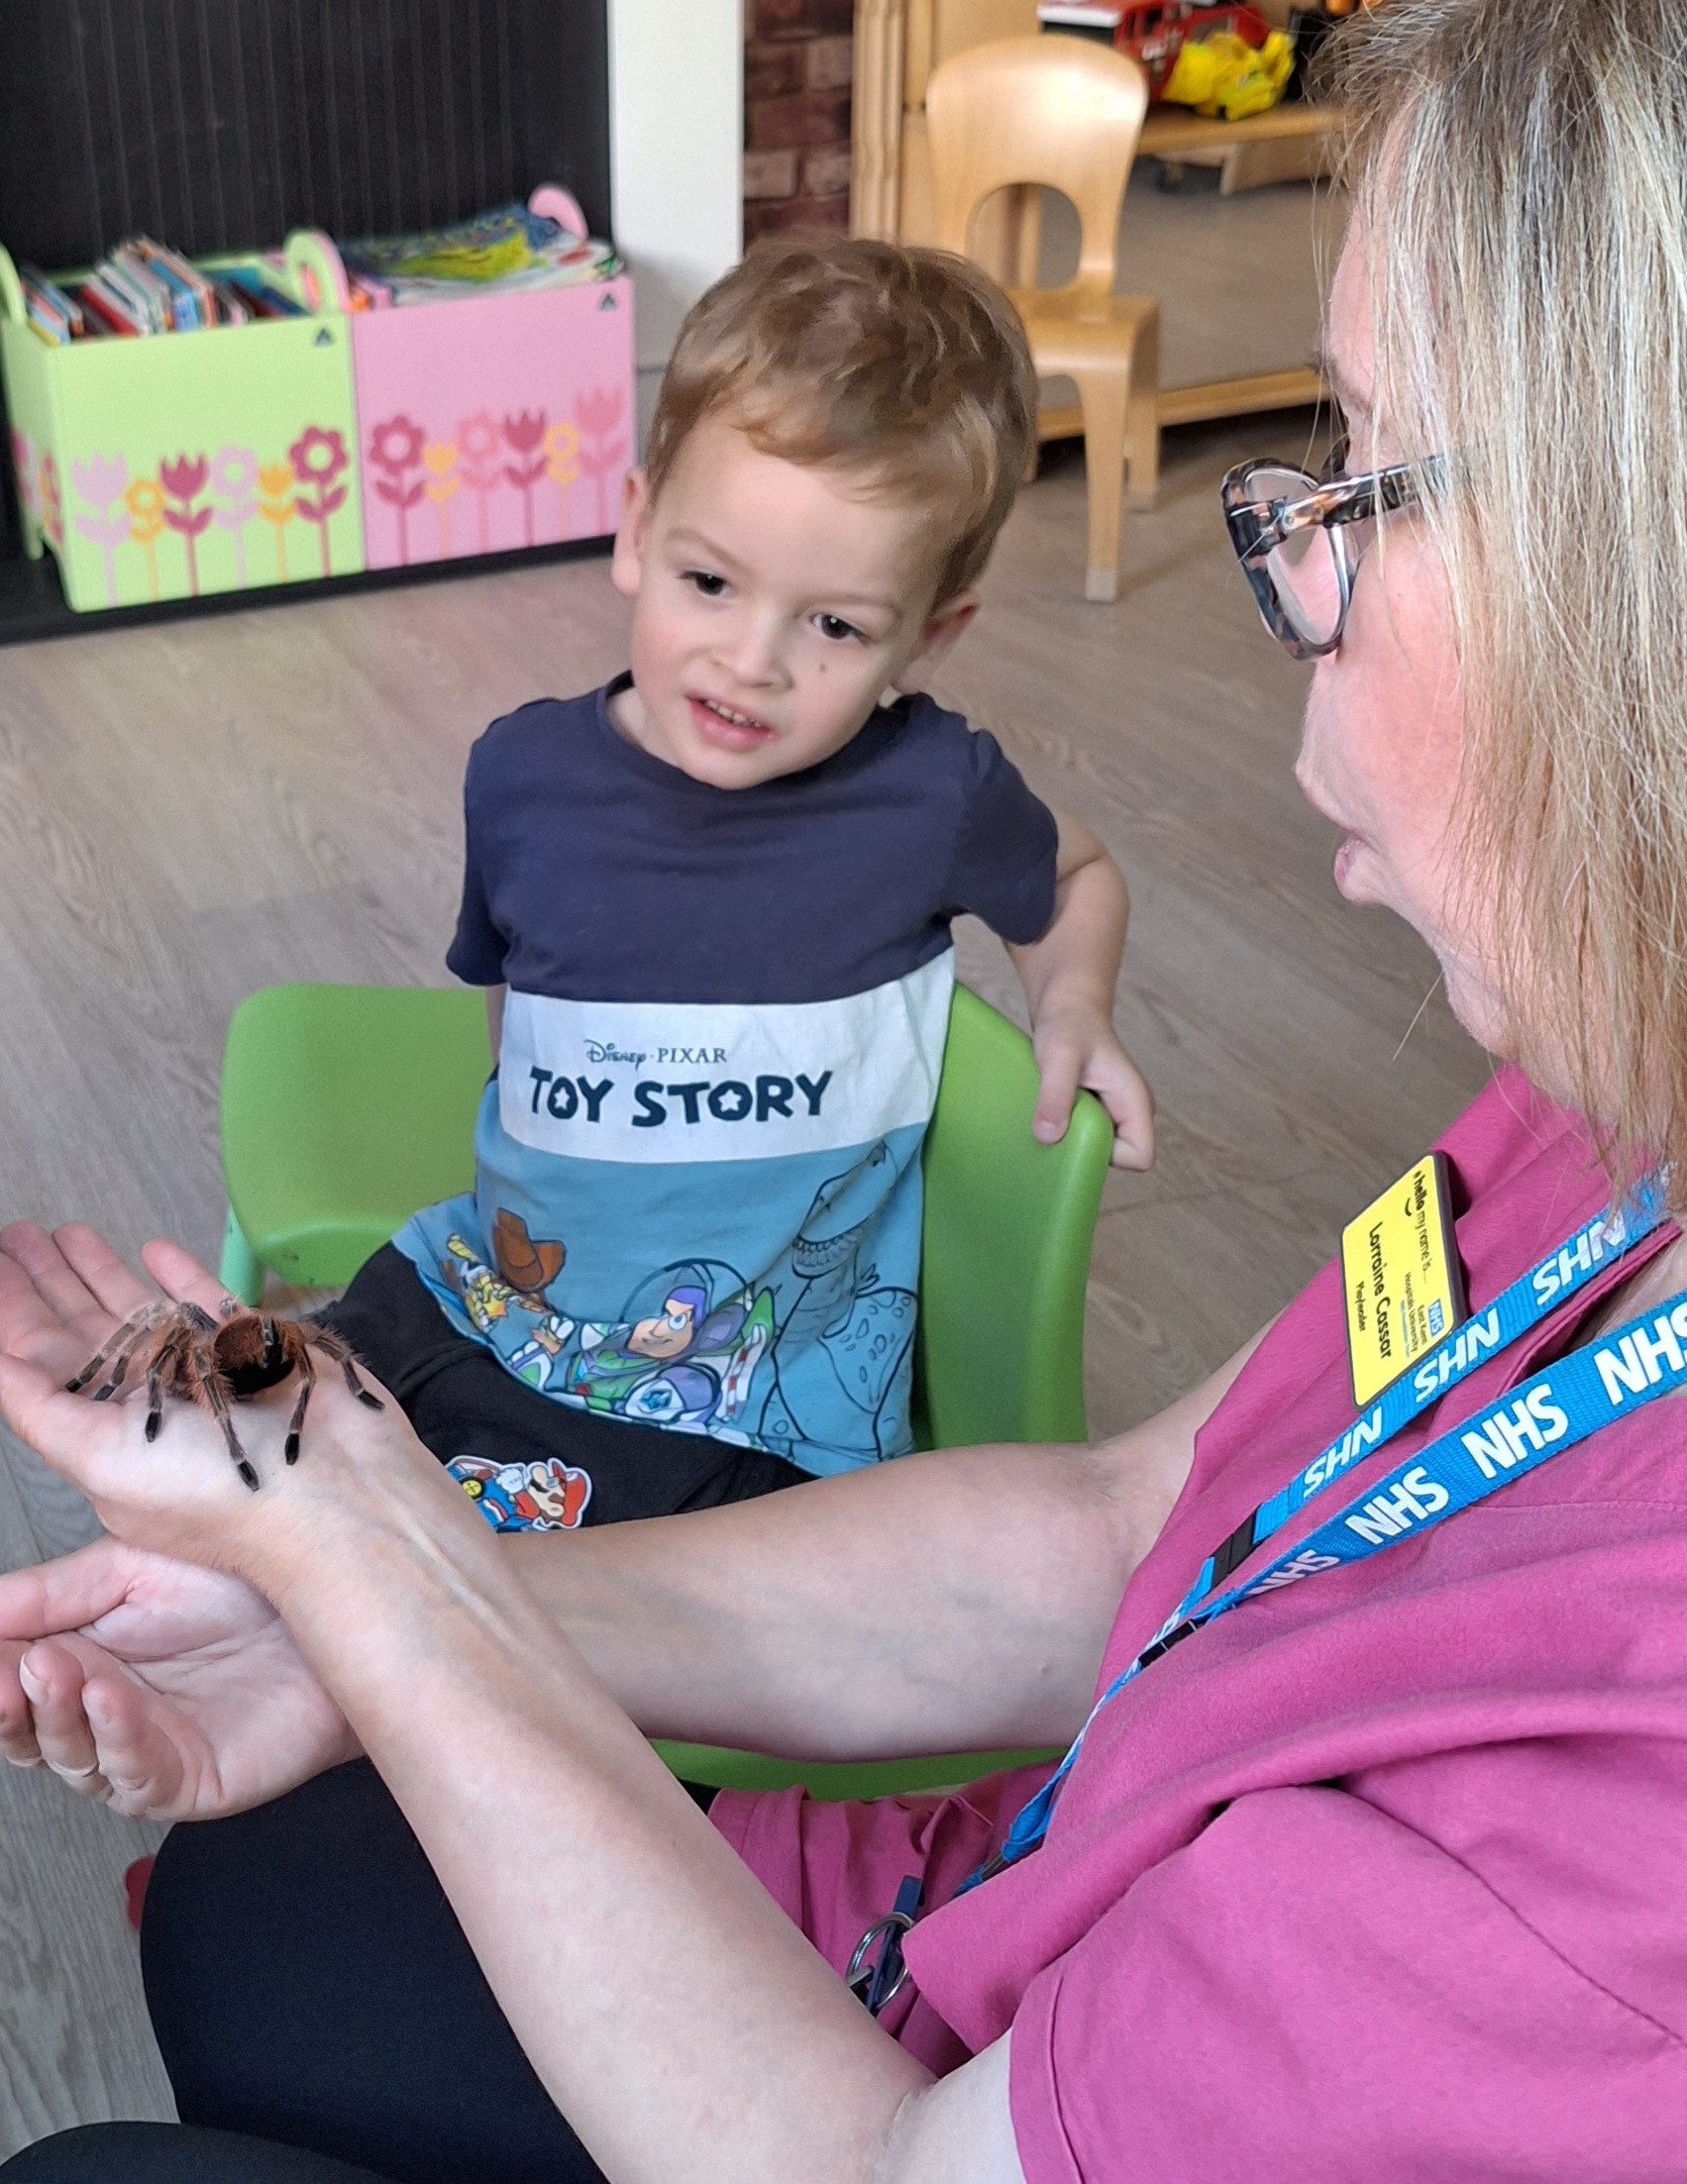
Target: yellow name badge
(1404, 1287)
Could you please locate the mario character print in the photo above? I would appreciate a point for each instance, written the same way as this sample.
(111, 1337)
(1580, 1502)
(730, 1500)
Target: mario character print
(547, 1497)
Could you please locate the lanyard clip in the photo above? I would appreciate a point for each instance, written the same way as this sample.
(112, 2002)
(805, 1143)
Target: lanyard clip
(877, 1980)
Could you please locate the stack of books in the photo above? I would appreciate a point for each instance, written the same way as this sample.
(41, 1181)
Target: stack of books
(511, 248)
(142, 288)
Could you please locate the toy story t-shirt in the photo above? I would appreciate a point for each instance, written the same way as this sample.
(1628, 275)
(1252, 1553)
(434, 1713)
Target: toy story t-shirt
(697, 1181)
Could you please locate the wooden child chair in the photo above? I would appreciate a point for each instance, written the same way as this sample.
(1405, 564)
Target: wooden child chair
(1065, 113)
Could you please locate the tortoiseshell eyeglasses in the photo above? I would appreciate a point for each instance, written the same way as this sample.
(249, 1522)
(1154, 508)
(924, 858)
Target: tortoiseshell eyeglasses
(1300, 539)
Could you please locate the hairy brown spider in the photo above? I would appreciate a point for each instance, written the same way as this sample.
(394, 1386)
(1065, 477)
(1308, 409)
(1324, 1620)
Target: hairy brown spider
(185, 1352)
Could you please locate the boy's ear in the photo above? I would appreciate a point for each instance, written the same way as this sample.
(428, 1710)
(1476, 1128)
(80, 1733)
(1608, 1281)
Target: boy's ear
(943, 625)
(626, 563)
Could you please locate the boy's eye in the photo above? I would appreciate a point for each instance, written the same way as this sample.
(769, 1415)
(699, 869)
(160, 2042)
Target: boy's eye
(706, 582)
(835, 627)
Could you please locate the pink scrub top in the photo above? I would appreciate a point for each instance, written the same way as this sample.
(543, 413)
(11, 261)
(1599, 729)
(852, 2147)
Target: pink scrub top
(1383, 1875)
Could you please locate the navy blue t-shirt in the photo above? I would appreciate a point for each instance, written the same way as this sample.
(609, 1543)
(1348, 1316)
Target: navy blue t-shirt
(697, 1196)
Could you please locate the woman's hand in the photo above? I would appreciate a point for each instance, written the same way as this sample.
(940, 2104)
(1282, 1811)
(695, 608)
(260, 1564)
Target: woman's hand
(144, 1682)
(180, 1494)
(161, 1690)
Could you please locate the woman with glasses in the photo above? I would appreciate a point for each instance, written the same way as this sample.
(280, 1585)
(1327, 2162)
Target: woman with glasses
(1369, 1859)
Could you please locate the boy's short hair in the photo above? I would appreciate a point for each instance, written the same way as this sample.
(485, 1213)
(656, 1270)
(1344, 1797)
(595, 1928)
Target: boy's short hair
(907, 366)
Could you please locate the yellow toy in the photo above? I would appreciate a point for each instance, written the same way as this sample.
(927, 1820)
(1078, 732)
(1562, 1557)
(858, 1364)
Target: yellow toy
(1223, 74)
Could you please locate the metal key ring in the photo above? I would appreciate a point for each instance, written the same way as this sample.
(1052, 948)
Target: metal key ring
(859, 1978)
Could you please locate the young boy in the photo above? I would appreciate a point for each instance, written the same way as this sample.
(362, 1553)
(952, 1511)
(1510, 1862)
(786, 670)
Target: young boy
(711, 905)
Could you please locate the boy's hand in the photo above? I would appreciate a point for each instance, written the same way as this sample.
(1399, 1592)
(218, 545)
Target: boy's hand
(1077, 1047)
(1069, 977)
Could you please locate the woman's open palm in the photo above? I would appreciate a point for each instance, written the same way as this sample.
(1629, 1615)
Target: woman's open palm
(157, 1685)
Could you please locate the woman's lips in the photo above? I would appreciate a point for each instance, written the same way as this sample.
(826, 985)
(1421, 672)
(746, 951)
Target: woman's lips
(728, 735)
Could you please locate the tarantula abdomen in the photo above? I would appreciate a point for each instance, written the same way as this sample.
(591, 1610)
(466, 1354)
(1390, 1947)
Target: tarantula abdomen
(214, 1363)
(254, 1354)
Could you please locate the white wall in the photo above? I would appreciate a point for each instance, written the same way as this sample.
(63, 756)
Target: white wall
(676, 159)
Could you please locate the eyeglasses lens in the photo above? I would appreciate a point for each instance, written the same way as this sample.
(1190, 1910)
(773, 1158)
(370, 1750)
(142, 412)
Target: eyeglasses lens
(1303, 570)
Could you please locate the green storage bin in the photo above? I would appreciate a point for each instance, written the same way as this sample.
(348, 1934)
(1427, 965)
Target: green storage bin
(172, 466)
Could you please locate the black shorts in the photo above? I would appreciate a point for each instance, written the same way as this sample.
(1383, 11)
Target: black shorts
(463, 1402)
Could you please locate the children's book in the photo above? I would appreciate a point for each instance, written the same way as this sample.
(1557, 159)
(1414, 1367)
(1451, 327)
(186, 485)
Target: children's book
(55, 315)
(510, 247)
(102, 302)
(262, 296)
(144, 297)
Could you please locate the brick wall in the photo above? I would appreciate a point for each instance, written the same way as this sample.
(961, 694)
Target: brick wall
(796, 70)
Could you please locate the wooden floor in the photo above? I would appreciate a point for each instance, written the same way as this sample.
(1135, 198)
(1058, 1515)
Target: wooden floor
(190, 811)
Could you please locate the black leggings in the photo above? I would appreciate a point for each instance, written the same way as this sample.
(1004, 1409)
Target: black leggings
(463, 1402)
(168, 2154)
(317, 2006)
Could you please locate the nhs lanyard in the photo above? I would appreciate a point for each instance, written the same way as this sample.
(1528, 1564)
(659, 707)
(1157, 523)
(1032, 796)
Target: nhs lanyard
(1532, 1422)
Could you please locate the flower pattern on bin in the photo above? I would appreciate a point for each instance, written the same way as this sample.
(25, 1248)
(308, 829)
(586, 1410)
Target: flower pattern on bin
(397, 444)
(100, 479)
(234, 473)
(183, 480)
(318, 456)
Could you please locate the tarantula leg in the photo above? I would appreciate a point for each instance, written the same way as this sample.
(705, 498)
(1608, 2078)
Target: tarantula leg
(155, 1402)
(365, 1396)
(341, 1351)
(113, 1381)
(198, 1318)
(219, 1409)
(295, 1424)
(124, 1338)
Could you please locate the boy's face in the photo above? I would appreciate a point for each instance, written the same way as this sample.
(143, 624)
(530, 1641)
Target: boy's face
(773, 606)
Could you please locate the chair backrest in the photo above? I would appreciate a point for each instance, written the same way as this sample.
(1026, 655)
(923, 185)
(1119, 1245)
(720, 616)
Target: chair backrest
(1005, 1251)
(1065, 112)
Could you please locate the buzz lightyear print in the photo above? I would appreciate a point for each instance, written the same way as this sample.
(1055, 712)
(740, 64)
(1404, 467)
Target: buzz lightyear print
(683, 1354)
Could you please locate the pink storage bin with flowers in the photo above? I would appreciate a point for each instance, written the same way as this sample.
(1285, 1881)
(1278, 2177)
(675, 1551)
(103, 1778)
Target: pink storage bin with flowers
(494, 422)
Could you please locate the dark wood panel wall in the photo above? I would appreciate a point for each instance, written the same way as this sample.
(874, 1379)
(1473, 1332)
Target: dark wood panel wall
(221, 124)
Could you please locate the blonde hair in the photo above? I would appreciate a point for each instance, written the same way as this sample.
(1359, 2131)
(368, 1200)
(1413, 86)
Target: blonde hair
(1522, 172)
(906, 367)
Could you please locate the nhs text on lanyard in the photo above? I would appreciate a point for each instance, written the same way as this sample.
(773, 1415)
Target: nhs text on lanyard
(1645, 1358)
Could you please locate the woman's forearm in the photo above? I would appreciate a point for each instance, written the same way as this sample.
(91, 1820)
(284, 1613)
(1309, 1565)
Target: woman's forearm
(684, 2025)
(953, 1602)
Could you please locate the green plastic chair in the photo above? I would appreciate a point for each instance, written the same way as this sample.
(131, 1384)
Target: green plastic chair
(345, 1107)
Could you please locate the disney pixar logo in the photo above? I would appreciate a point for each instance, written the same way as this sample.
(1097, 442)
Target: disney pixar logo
(598, 1051)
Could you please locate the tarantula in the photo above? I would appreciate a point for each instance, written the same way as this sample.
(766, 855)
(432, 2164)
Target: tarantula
(185, 1352)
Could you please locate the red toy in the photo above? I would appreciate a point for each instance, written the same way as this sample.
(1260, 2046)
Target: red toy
(1154, 32)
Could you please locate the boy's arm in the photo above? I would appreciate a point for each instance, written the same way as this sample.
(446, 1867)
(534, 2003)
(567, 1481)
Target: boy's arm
(1069, 978)
(496, 1018)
